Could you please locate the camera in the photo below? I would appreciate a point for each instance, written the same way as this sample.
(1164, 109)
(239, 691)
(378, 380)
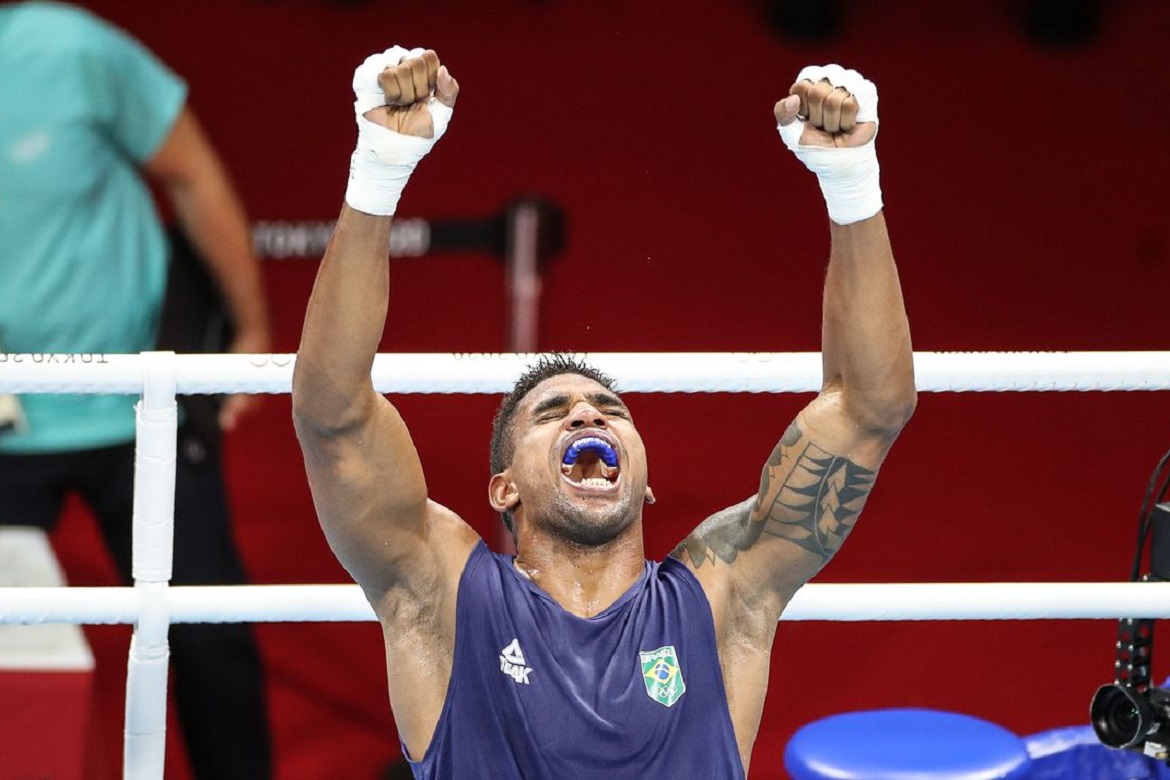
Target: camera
(1132, 714)
(1124, 717)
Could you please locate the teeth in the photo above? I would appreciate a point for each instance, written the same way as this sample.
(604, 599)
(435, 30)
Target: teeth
(605, 478)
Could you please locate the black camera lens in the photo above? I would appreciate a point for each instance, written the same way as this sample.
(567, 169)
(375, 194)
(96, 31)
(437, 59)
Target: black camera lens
(1121, 718)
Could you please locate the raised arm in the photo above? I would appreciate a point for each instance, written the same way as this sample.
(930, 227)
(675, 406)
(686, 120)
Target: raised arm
(753, 556)
(364, 472)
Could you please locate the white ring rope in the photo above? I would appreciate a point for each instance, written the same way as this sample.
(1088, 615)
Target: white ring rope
(838, 602)
(152, 605)
(663, 372)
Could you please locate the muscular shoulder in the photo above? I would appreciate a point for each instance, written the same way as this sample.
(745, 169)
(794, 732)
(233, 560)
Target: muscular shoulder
(717, 539)
(424, 583)
(713, 554)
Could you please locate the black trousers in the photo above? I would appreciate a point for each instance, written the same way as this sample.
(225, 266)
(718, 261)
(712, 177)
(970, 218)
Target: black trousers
(219, 689)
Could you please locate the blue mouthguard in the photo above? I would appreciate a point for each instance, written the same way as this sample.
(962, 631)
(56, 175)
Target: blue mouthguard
(603, 450)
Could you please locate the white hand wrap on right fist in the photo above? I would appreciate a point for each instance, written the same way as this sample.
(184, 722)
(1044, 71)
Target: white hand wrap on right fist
(849, 176)
(383, 160)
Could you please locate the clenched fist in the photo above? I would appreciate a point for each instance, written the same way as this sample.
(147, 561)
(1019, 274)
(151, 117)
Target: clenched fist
(829, 121)
(403, 101)
(828, 101)
(408, 89)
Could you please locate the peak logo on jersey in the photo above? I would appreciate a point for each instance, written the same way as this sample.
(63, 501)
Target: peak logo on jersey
(663, 675)
(512, 663)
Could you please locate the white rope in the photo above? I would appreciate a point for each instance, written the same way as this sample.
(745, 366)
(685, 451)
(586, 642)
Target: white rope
(152, 605)
(673, 372)
(837, 602)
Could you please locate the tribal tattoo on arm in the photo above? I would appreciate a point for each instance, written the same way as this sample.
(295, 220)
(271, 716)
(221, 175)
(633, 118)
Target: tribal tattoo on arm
(808, 496)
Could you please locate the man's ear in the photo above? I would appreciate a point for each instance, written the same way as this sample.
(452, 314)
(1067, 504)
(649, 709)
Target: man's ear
(502, 493)
(649, 495)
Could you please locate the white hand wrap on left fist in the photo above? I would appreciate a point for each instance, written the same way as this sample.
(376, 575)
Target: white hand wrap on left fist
(383, 160)
(849, 176)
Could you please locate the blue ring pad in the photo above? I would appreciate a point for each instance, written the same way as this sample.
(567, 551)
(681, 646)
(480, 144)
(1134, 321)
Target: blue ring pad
(905, 744)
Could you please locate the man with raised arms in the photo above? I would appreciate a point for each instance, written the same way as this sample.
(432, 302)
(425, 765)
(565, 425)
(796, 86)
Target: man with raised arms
(578, 657)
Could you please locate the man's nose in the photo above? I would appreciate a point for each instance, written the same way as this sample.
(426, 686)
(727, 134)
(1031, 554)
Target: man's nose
(585, 416)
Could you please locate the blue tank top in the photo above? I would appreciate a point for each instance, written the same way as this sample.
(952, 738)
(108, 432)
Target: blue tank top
(536, 692)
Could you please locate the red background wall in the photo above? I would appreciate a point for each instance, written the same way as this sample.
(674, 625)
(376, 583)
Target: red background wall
(1026, 198)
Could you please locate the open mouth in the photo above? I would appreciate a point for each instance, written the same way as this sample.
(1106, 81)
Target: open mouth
(590, 461)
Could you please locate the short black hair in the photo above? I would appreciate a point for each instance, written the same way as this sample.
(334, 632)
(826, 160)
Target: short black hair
(503, 446)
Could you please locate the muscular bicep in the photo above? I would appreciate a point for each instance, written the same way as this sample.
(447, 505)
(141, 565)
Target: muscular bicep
(812, 490)
(371, 499)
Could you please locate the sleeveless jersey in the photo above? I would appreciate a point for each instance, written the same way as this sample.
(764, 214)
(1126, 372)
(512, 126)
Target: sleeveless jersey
(536, 692)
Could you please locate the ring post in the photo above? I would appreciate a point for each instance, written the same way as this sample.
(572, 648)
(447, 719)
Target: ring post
(153, 544)
(521, 248)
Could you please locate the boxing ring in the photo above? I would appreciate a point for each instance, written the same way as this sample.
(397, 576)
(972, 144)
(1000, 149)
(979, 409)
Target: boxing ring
(151, 605)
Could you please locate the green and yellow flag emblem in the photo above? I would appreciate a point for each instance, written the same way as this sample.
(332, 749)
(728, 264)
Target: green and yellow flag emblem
(663, 675)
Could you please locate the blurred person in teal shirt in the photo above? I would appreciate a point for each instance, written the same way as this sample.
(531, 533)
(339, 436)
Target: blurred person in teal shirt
(89, 119)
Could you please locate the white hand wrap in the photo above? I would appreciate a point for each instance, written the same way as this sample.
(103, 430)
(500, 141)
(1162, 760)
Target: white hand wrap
(849, 177)
(383, 160)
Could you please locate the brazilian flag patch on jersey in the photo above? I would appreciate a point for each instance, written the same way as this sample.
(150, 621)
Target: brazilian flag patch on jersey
(663, 675)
